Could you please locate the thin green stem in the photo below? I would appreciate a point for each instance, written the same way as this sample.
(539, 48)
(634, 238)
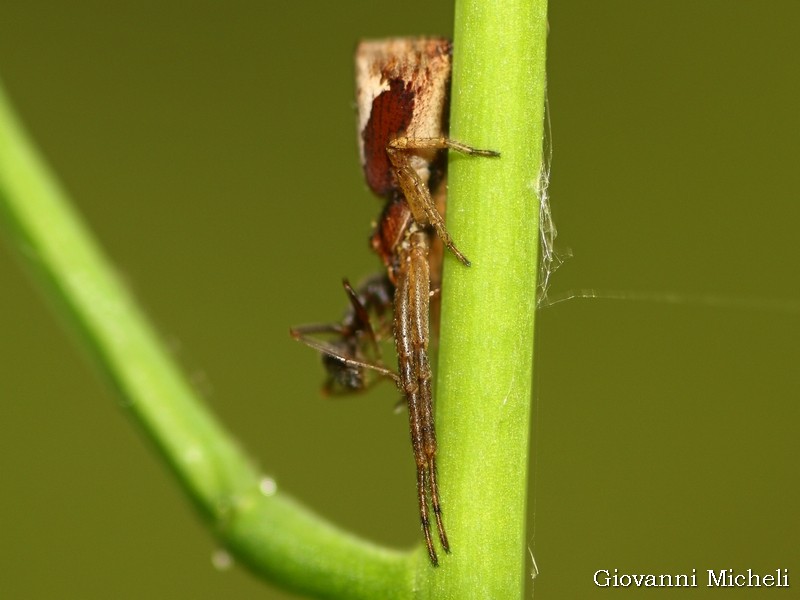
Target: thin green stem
(486, 357)
(265, 529)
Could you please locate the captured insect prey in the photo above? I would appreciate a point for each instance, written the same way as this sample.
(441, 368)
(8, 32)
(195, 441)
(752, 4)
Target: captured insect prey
(354, 351)
(402, 93)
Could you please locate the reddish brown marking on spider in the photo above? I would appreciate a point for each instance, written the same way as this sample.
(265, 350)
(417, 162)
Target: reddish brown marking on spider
(391, 113)
(390, 231)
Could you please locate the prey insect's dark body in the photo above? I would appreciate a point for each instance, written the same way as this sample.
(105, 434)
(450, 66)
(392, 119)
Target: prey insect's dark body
(354, 348)
(402, 96)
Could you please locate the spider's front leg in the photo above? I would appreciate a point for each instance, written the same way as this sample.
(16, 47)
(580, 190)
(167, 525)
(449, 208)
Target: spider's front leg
(420, 293)
(416, 191)
(412, 298)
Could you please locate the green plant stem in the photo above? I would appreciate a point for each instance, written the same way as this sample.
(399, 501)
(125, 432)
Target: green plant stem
(269, 532)
(486, 356)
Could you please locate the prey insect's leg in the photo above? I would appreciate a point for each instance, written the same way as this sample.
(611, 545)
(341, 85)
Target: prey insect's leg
(362, 318)
(419, 297)
(416, 191)
(301, 335)
(409, 385)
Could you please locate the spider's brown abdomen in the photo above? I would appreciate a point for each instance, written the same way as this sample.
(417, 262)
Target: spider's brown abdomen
(391, 114)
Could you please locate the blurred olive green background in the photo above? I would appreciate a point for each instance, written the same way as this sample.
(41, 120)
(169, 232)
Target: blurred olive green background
(212, 149)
